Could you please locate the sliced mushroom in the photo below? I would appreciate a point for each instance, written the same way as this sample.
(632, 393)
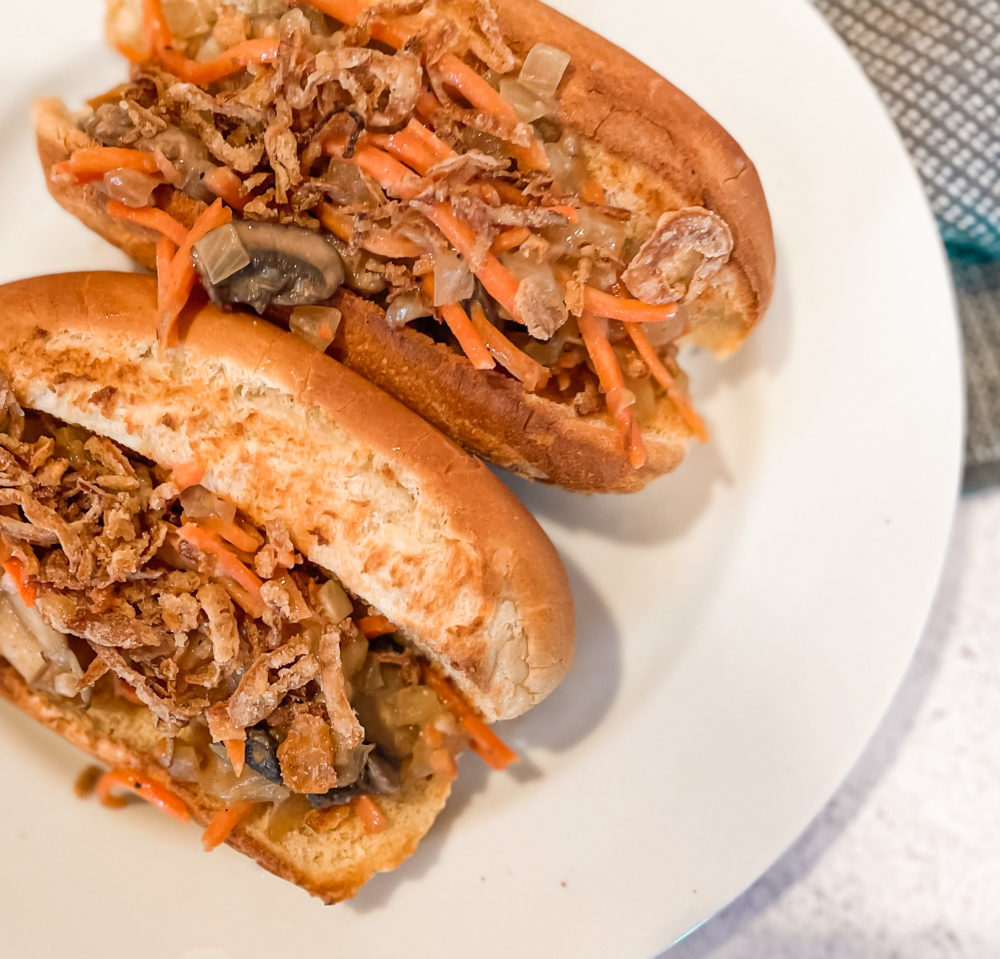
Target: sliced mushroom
(288, 266)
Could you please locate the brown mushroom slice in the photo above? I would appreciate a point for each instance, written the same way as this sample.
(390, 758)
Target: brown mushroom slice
(284, 266)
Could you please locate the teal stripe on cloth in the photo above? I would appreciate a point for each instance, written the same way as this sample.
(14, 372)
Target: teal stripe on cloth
(936, 64)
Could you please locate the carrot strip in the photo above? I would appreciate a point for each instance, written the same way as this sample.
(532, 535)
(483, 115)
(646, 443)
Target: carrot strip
(510, 239)
(372, 818)
(232, 533)
(249, 602)
(226, 561)
(662, 376)
(532, 374)
(457, 320)
(236, 750)
(260, 50)
(347, 11)
(387, 170)
(187, 474)
(464, 79)
(150, 217)
(91, 163)
(380, 242)
(175, 289)
(485, 743)
(499, 282)
(415, 145)
(227, 186)
(14, 568)
(223, 823)
(628, 311)
(373, 626)
(145, 788)
(619, 400)
(125, 691)
(471, 342)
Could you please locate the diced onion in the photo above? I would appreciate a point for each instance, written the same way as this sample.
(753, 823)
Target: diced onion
(404, 309)
(315, 324)
(200, 503)
(543, 69)
(221, 253)
(346, 185)
(334, 601)
(566, 170)
(415, 706)
(287, 817)
(209, 51)
(185, 18)
(453, 281)
(185, 766)
(600, 230)
(527, 104)
(131, 187)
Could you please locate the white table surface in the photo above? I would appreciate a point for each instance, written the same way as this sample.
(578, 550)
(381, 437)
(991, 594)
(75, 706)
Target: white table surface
(905, 859)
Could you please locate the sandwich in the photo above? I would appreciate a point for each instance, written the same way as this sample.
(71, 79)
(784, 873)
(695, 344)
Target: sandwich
(542, 220)
(259, 590)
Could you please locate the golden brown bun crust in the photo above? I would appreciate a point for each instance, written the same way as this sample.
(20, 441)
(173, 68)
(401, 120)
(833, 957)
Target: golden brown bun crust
(366, 489)
(331, 865)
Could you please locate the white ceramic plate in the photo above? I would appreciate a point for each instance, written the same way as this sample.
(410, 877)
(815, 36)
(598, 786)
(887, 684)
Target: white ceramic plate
(743, 624)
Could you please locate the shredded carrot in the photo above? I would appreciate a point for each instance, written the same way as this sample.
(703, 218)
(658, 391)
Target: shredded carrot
(622, 308)
(175, 289)
(231, 532)
(461, 327)
(499, 282)
(377, 625)
(227, 563)
(223, 823)
(156, 31)
(532, 374)
(227, 186)
(387, 170)
(509, 193)
(145, 788)
(372, 818)
(347, 11)
(485, 743)
(14, 568)
(239, 57)
(427, 107)
(415, 145)
(91, 163)
(149, 217)
(592, 192)
(510, 239)
(249, 602)
(662, 376)
(619, 399)
(236, 750)
(187, 474)
(380, 242)
(464, 79)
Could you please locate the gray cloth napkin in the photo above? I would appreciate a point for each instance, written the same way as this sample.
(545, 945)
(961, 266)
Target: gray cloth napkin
(936, 64)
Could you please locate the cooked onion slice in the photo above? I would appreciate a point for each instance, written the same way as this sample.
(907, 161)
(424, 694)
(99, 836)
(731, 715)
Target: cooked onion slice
(453, 281)
(543, 69)
(221, 253)
(315, 324)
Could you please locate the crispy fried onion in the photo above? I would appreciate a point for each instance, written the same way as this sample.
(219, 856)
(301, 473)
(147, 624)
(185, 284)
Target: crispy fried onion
(687, 248)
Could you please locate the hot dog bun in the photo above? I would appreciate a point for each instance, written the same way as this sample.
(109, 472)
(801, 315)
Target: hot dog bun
(654, 150)
(365, 489)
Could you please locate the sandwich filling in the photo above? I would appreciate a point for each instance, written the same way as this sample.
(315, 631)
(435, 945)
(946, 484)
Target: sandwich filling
(402, 149)
(267, 680)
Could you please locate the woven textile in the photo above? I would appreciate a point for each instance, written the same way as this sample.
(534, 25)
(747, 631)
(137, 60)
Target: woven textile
(936, 64)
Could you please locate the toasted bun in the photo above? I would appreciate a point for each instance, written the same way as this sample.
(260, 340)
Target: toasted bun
(655, 148)
(332, 864)
(403, 517)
